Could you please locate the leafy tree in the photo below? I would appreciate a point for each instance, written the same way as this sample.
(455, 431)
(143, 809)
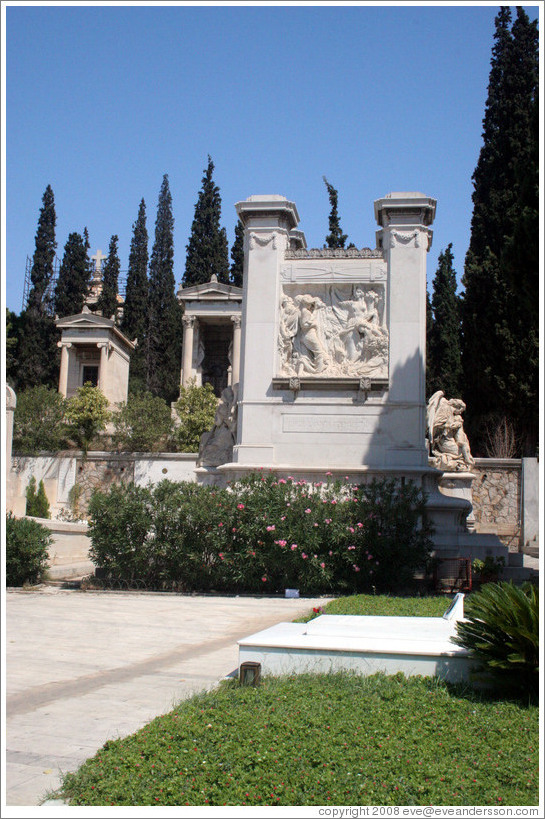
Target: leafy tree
(163, 344)
(87, 414)
(37, 505)
(74, 277)
(196, 408)
(499, 333)
(38, 421)
(444, 352)
(237, 255)
(37, 354)
(134, 321)
(107, 301)
(207, 249)
(335, 237)
(143, 424)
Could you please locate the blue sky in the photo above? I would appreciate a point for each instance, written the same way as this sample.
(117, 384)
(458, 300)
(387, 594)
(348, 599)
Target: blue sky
(101, 101)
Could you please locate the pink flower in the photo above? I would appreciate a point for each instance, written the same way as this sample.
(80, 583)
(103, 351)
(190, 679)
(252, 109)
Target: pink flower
(304, 556)
(282, 480)
(264, 579)
(333, 501)
(329, 473)
(351, 529)
(240, 506)
(220, 524)
(315, 524)
(281, 542)
(328, 520)
(293, 546)
(356, 568)
(221, 555)
(271, 528)
(369, 557)
(359, 525)
(234, 530)
(330, 552)
(351, 548)
(307, 511)
(322, 565)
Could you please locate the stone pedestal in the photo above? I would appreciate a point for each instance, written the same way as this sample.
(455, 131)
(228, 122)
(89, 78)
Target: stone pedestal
(459, 485)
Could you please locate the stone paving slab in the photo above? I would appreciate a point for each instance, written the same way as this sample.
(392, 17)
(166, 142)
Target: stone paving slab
(85, 667)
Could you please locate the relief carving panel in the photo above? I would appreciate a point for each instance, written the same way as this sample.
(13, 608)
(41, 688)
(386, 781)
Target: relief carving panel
(333, 330)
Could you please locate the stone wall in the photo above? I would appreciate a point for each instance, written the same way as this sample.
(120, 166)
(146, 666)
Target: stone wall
(70, 479)
(497, 493)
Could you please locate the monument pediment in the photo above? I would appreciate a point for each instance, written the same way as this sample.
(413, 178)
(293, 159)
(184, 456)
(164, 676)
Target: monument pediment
(210, 291)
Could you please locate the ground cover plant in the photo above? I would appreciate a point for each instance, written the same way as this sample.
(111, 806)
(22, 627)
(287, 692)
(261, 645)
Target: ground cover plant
(334, 739)
(263, 534)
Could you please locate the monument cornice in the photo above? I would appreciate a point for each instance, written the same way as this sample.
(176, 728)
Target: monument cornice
(334, 253)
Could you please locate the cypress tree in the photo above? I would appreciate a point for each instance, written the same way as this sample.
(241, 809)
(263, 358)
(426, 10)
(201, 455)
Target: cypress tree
(163, 346)
(335, 237)
(207, 249)
(74, 277)
(444, 353)
(237, 255)
(36, 352)
(430, 363)
(107, 301)
(41, 273)
(500, 337)
(135, 310)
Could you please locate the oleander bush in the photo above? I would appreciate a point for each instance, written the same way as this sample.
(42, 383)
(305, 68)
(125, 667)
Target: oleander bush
(501, 629)
(27, 544)
(262, 534)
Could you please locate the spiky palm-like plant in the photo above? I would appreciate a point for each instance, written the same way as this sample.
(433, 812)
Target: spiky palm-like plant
(501, 630)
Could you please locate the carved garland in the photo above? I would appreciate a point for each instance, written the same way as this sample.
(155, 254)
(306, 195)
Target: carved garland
(396, 236)
(334, 253)
(262, 241)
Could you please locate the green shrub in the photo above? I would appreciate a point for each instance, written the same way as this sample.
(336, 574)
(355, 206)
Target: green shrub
(263, 534)
(37, 505)
(501, 629)
(196, 408)
(38, 421)
(87, 414)
(27, 543)
(143, 424)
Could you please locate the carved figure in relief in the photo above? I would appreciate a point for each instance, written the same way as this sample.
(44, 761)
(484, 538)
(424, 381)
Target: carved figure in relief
(216, 446)
(337, 334)
(289, 324)
(314, 356)
(449, 445)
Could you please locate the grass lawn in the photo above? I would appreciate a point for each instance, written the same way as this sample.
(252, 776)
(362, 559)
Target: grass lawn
(382, 604)
(335, 739)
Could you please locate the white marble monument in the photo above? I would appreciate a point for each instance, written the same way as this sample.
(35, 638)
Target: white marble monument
(94, 350)
(333, 345)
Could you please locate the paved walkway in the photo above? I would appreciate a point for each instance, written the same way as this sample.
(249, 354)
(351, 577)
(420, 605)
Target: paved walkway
(86, 667)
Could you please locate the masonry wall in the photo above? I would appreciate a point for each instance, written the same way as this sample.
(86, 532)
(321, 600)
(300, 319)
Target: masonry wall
(497, 498)
(497, 488)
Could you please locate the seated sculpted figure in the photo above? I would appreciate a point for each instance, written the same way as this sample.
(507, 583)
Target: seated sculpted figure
(216, 446)
(449, 445)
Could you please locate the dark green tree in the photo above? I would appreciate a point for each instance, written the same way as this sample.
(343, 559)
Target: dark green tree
(335, 237)
(163, 345)
(107, 301)
(74, 277)
(444, 343)
(237, 255)
(430, 374)
(207, 249)
(36, 353)
(499, 332)
(41, 272)
(135, 309)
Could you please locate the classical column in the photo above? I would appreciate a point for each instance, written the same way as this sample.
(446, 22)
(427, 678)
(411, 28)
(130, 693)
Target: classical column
(187, 354)
(63, 375)
(104, 348)
(235, 363)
